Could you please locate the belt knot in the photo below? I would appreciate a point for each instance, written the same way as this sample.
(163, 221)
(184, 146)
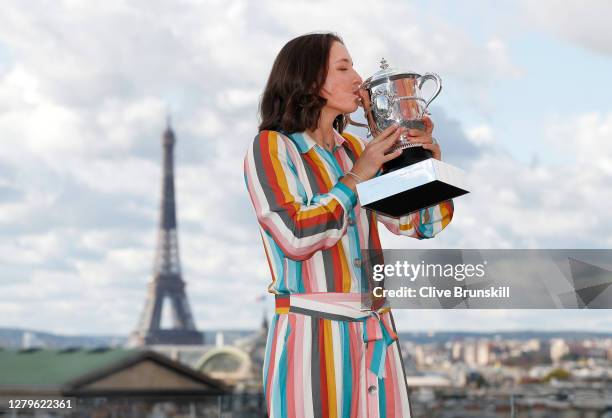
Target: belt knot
(376, 331)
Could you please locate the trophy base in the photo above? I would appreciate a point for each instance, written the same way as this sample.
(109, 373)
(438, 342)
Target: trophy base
(408, 156)
(412, 188)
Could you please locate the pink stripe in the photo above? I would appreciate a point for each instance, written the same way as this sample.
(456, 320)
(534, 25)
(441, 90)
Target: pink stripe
(333, 298)
(373, 411)
(298, 364)
(390, 384)
(271, 365)
(291, 366)
(396, 379)
(373, 328)
(308, 275)
(356, 350)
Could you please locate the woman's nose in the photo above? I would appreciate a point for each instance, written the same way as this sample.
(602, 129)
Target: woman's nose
(358, 79)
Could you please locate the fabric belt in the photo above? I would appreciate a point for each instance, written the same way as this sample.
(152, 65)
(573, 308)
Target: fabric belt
(378, 333)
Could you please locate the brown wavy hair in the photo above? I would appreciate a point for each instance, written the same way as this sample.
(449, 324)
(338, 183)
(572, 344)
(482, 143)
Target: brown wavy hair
(291, 101)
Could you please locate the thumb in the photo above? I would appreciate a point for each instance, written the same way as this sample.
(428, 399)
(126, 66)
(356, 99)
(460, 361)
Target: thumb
(428, 124)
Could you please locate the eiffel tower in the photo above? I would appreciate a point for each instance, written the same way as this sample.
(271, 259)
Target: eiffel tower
(167, 285)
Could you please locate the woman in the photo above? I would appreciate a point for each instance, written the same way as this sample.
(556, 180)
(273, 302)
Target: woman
(325, 357)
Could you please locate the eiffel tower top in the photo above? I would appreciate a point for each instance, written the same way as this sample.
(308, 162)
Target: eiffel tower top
(168, 138)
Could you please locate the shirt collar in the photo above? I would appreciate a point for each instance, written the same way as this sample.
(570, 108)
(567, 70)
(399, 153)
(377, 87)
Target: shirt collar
(305, 142)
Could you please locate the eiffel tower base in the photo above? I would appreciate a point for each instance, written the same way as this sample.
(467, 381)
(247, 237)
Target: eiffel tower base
(166, 337)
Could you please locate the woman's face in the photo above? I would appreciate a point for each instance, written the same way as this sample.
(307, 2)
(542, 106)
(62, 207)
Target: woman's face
(342, 82)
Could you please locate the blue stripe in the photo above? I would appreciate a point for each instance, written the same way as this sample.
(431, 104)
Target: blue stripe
(277, 256)
(382, 398)
(280, 384)
(268, 349)
(426, 229)
(347, 374)
(294, 275)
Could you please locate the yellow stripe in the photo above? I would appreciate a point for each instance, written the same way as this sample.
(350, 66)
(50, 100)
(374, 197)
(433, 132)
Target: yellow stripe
(445, 212)
(278, 169)
(322, 168)
(357, 145)
(284, 186)
(329, 367)
(281, 310)
(406, 227)
(346, 275)
(318, 210)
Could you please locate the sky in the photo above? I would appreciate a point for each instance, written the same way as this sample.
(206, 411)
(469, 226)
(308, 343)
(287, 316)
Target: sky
(85, 88)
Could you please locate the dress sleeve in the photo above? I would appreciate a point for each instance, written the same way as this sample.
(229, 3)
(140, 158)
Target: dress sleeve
(422, 224)
(299, 227)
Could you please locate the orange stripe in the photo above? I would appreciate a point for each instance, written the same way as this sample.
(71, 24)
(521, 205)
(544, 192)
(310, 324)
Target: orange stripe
(445, 210)
(346, 275)
(356, 145)
(329, 365)
(281, 179)
(278, 169)
(406, 227)
(318, 211)
(322, 168)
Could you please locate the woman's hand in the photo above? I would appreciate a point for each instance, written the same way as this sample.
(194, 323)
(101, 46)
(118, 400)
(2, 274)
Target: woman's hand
(417, 136)
(376, 153)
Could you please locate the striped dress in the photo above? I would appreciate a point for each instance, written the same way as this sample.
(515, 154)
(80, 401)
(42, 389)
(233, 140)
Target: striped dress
(313, 230)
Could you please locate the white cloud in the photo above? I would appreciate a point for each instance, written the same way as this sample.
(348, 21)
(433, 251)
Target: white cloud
(585, 24)
(83, 102)
(480, 134)
(518, 205)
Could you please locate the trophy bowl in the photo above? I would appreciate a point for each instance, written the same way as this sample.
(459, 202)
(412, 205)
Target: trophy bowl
(395, 97)
(414, 180)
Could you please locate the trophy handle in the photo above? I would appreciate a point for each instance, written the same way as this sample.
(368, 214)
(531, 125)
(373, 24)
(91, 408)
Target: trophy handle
(359, 124)
(367, 112)
(437, 79)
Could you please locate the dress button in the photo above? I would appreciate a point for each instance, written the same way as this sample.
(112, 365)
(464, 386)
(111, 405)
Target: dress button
(357, 262)
(351, 221)
(372, 390)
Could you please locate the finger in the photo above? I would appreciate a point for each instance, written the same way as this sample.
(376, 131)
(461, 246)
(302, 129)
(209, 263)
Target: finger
(425, 139)
(392, 155)
(365, 98)
(385, 134)
(390, 141)
(416, 132)
(434, 148)
(429, 125)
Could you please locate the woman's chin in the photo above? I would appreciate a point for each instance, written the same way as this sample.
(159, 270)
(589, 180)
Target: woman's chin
(351, 109)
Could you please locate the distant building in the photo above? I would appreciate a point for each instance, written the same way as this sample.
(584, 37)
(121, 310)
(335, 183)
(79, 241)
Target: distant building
(107, 382)
(239, 365)
(558, 348)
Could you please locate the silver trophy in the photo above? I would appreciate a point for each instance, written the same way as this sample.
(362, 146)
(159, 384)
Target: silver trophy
(414, 180)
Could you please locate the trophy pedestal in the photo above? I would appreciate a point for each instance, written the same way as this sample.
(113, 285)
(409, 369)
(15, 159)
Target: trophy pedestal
(412, 188)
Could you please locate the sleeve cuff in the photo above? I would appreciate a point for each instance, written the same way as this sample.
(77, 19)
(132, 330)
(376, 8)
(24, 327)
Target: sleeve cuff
(347, 197)
(425, 230)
